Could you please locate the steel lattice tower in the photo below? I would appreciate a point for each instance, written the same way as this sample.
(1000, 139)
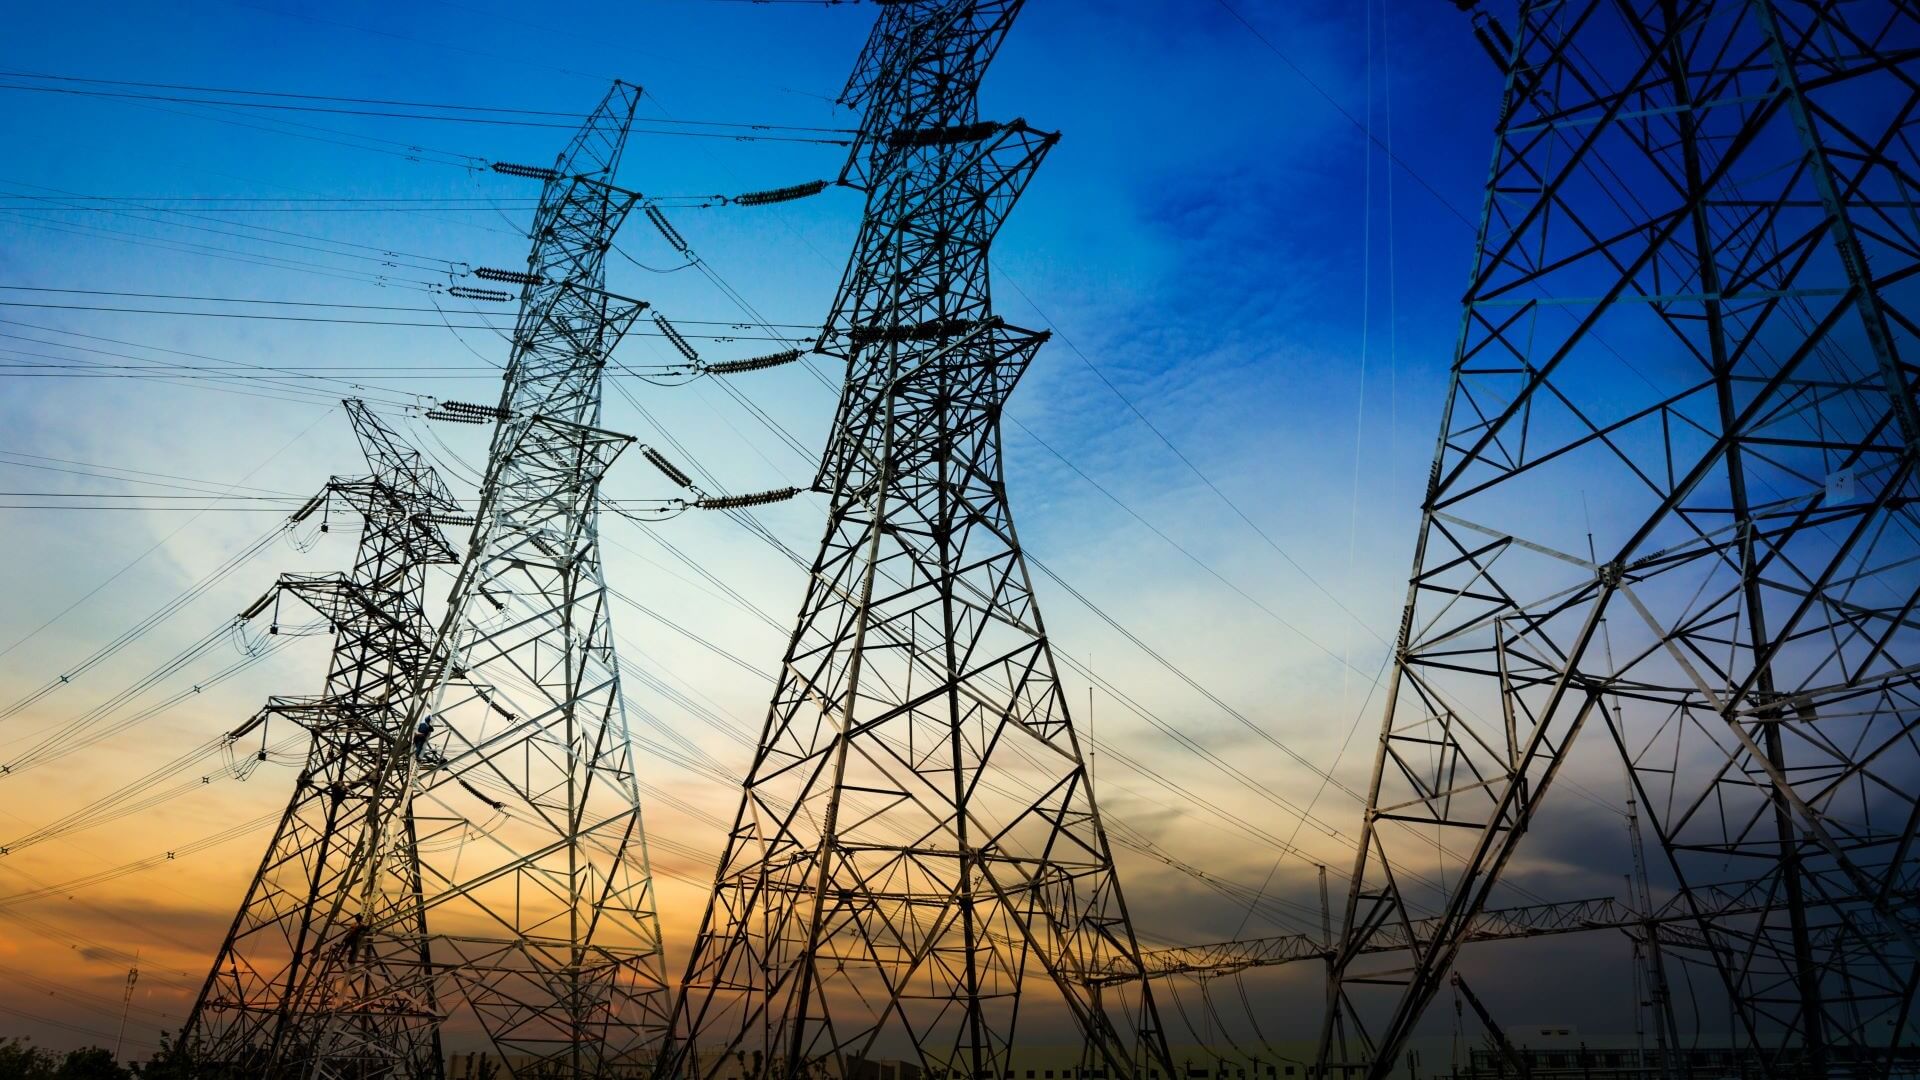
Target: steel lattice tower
(279, 990)
(917, 827)
(1693, 308)
(533, 861)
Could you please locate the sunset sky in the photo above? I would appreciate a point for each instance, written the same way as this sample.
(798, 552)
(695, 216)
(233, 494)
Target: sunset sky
(1222, 447)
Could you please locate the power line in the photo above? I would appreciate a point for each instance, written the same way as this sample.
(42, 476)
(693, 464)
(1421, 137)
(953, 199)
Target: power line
(345, 206)
(64, 1025)
(93, 469)
(1195, 469)
(322, 304)
(742, 133)
(1156, 429)
(225, 254)
(172, 854)
(156, 546)
(406, 150)
(111, 309)
(1187, 796)
(1217, 762)
(1326, 96)
(286, 380)
(572, 119)
(1325, 775)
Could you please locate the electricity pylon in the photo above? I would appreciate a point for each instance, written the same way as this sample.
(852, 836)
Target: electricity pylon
(917, 832)
(1691, 321)
(503, 802)
(524, 800)
(275, 995)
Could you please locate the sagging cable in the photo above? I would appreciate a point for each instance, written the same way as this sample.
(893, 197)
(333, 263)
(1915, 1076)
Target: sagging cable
(667, 468)
(735, 502)
(674, 338)
(757, 363)
(780, 194)
(666, 229)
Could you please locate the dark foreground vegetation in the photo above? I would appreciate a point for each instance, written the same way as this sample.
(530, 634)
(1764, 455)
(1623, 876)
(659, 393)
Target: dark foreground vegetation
(21, 1060)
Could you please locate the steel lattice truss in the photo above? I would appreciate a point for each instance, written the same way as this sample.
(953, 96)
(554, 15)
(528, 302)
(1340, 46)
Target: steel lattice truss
(533, 862)
(917, 831)
(298, 988)
(1693, 309)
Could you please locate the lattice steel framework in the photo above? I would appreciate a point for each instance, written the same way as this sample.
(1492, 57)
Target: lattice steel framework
(1693, 310)
(286, 992)
(917, 829)
(533, 861)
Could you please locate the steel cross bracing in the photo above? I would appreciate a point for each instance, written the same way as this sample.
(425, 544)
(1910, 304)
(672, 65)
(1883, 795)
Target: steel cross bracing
(534, 864)
(917, 833)
(297, 989)
(1691, 322)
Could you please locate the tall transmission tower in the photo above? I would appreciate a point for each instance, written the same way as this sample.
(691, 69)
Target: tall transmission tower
(1692, 308)
(527, 810)
(275, 995)
(507, 811)
(917, 828)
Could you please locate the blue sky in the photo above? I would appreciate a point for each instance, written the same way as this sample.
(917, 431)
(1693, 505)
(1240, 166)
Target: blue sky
(1215, 234)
